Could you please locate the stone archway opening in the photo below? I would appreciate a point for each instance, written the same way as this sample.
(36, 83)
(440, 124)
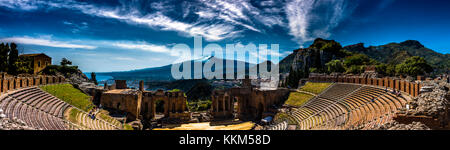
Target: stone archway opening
(260, 111)
(160, 109)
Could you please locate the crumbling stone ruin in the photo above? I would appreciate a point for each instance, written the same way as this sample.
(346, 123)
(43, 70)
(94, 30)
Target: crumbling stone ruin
(398, 126)
(252, 103)
(431, 103)
(141, 104)
(430, 107)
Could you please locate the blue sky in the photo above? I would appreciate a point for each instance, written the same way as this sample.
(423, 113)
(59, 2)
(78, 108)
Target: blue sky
(117, 35)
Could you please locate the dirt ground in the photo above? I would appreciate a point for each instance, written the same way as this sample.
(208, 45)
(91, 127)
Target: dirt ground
(207, 126)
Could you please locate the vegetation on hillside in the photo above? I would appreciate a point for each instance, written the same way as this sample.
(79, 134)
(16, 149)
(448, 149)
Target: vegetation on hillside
(71, 95)
(314, 87)
(294, 77)
(396, 53)
(64, 68)
(327, 56)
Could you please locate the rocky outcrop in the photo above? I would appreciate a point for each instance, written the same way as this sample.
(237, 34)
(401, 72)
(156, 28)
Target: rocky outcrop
(398, 126)
(317, 55)
(12, 124)
(78, 78)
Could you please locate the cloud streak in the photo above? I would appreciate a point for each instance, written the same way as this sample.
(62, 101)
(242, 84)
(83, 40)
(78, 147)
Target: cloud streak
(310, 19)
(46, 42)
(214, 20)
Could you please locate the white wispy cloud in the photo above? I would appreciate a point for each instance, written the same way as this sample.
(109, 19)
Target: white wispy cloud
(215, 20)
(124, 58)
(76, 27)
(232, 11)
(46, 41)
(22, 4)
(131, 15)
(305, 24)
(143, 46)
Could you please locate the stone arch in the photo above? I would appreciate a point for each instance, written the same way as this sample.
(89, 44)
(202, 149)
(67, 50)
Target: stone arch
(173, 107)
(159, 106)
(118, 105)
(260, 110)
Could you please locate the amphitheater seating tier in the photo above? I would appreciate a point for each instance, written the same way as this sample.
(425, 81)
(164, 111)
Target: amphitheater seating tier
(41, 110)
(348, 106)
(280, 126)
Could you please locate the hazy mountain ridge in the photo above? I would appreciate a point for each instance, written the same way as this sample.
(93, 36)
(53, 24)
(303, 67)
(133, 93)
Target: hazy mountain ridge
(395, 53)
(163, 73)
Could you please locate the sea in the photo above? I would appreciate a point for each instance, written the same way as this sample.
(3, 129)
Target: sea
(99, 77)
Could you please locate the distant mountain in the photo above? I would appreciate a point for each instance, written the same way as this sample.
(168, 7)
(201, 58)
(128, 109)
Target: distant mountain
(395, 53)
(163, 73)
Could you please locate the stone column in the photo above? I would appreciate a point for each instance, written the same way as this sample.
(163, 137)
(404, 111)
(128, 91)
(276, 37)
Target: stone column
(402, 86)
(223, 104)
(217, 103)
(416, 90)
(141, 85)
(1, 86)
(408, 84)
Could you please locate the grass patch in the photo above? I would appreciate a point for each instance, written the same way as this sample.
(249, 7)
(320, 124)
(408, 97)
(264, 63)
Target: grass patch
(73, 115)
(70, 94)
(298, 99)
(200, 105)
(109, 119)
(315, 88)
(127, 127)
(283, 116)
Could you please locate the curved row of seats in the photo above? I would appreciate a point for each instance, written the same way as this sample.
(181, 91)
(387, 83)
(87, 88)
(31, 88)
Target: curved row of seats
(365, 106)
(42, 110)
(41, 100)
(33, 117)
(94, 124)
(280, 126)
(338, 91)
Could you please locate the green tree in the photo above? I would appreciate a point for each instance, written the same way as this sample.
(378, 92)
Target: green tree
(357, 60)
(390, 70)
(335, 66)
(4, 51)
(294, 77)
(414, 66)
(381, 69)
(314, 70)
(65, 62)
(12, 60)
(355, 69)
(24, 65)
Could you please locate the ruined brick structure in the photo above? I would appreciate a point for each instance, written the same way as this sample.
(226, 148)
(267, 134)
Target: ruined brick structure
(141, 104)
(174, 104)
(252, 103)
(9, 82)
(121, 84)
(38, 61)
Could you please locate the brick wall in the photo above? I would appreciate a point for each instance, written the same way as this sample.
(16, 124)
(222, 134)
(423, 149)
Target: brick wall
(411, 88)
(8, 82)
